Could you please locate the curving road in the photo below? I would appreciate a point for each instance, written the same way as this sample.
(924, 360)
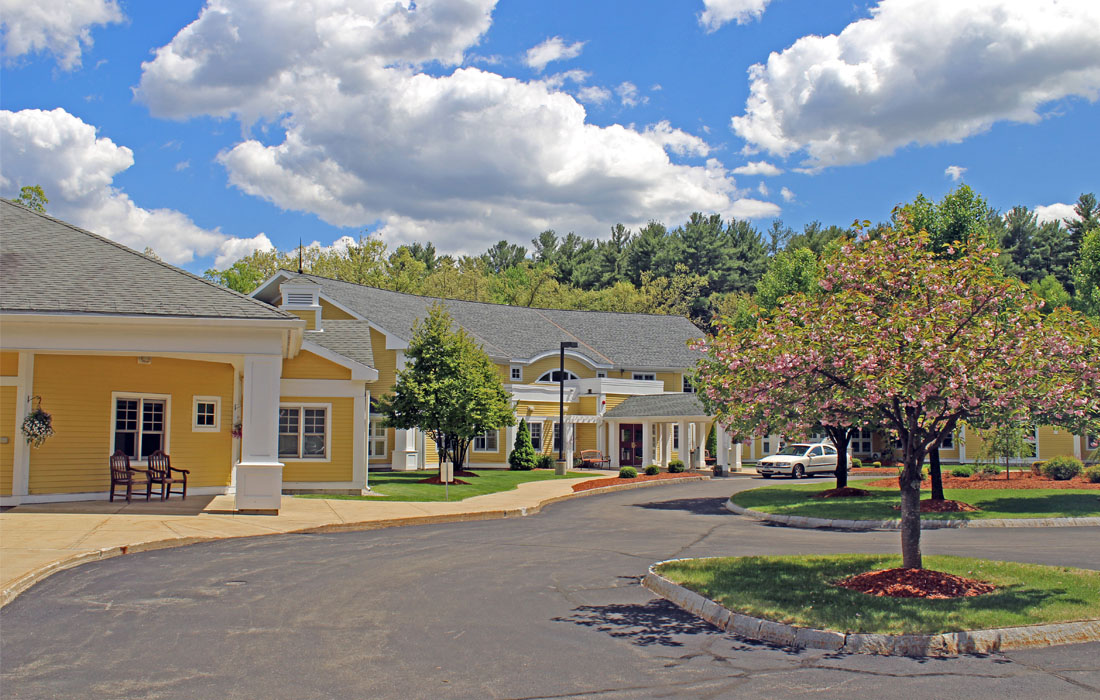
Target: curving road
(546, 606)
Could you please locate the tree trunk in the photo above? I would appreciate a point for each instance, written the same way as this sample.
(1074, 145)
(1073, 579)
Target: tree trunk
(935, 473)
(840, 439)
(909, 481)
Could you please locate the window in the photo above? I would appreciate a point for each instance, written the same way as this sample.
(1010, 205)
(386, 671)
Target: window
(376, 437)
(536, 436)
(303, 432)
(767, 446)
(486, 442)
(861, 442)
(140, 425)
(830, 450)
(817, 451)
(676, 438)
(601, 375)
(948, 443)
(557, 436)
(645, 376)
(206, 414)
(689, 388)
(517, 374)
(554, 377)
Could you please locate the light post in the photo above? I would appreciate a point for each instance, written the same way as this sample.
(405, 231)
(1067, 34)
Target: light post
(561, 466)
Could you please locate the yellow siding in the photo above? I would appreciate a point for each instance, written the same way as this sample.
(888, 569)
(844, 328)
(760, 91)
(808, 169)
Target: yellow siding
(501, 454)
(9, 364)
(339, 467)
(543, 408)
(673, 380)
(431, 455)
(309, 317)
(1054, 442)
(334, 312)
(309, 366)
(586, 436)
(614, 400)
(535, 370)
(505, 372)
(9, 430)
(385, 361)
(76, 390)
(588, 405)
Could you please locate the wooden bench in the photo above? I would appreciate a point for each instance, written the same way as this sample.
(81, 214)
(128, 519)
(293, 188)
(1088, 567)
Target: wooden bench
(594, 459)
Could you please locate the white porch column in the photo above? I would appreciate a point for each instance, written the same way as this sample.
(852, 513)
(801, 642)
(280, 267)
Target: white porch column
(666, 444)
(723, 455)
(510, 437)
(359, 440)
(601, 437)
(260, 473)
(737, 452)
(613, 434)
(700, 446)
(21, 462)
(683, 445)
(647, 443)
(962, 443)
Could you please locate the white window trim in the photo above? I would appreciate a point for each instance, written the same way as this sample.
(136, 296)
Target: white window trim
(530, 426)
(383, 438)
(516, 369)
(570, 375)
(641, 376)
(166, 398)
(301, 423)
(195, 427)
(473, 443)
(686, 385)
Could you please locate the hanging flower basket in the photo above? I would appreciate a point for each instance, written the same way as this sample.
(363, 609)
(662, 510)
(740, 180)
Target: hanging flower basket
(237, 431)
(37, 426)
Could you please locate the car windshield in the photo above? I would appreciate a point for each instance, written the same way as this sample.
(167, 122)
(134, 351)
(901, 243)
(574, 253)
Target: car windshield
(793, 450)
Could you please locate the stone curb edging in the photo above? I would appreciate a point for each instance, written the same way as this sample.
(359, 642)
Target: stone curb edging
(21, 584)
(987, 641)
(925, 524)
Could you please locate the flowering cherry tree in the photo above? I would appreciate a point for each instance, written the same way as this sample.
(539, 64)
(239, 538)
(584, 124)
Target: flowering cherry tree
(909, 341)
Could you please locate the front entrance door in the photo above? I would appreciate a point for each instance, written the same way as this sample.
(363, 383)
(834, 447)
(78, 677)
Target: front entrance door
(630, 445)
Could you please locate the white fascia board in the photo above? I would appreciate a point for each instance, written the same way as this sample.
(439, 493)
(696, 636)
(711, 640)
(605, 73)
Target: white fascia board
(93, 319)
(540, 393)
(132, 338)
(585, 359)
(358, 369)
(262, 292)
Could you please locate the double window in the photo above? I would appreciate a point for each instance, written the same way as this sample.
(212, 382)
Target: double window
(303, 432)
(536, 435)
(140, 425)
(645, 376)
(861, 442)
(487, 441)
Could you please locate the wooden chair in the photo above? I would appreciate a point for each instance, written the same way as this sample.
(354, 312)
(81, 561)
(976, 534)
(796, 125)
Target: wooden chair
(122, 474)
(160, 472)
(594, 459)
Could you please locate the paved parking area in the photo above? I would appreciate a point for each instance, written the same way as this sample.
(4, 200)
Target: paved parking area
(547, 606)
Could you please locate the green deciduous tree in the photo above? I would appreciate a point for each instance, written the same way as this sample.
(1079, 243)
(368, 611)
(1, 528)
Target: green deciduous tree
(450, 388)
(1006, 441)
(32, 197)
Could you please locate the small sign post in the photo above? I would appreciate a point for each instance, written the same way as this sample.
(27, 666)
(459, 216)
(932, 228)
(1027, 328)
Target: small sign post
(447, 475)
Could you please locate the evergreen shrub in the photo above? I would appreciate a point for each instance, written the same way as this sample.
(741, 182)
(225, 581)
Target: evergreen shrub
(628, 473)
(1062, 468)
(675, 467)
(652, 470)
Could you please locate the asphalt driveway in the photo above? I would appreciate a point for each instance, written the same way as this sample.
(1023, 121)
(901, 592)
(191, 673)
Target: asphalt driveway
(546, 606)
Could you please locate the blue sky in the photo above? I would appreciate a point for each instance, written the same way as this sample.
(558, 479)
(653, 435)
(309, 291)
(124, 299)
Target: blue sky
(206, 129)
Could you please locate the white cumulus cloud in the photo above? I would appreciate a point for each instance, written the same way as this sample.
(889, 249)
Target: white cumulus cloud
(955, 172)
(60, 27)
(1054, 212)
(593, 94)
(553, 49)
(76, 169)
(762, 189)
(758, 167)
(465, 158)
(920, 72)
(786, 194)
(718, 12)
(629, 96)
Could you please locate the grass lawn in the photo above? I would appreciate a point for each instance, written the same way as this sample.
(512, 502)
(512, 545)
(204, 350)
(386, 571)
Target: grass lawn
(797, 590)
(402, 486)
(794, 499)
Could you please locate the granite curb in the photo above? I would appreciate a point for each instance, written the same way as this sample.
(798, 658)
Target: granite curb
(925, 524)
(21, 584)
(988, 641)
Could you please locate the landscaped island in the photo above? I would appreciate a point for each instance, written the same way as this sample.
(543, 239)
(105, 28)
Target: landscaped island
(410, 486)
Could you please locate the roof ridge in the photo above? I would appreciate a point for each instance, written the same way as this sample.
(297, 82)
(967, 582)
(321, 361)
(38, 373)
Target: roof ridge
(127, 249)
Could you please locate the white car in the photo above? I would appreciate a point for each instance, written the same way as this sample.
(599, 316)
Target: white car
(798, 460)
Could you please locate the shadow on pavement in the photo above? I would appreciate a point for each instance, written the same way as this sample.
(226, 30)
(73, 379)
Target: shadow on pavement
(698, 506)
(654, 623)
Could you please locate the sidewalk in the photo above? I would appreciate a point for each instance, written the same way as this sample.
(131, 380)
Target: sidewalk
(39, 540)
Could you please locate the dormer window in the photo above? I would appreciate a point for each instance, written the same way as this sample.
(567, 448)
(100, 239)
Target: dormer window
(300, 299)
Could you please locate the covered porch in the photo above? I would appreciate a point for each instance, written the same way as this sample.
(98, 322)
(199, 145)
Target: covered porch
(656, 429)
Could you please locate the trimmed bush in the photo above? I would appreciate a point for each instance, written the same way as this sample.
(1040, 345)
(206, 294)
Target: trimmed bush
(675, 466)
(1093, 474)
(544, 462)
(1062, 468)
(652, 470)
(962, 471)
(989, 469)
(523, 457)
(628, 473)
(856, 463)
(1037, 468)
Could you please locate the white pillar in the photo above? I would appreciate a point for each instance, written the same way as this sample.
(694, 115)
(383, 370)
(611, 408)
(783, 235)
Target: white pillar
(404, 450)
(683, 446)
(647, 443)
(260, 473)
(613, 433)
(961, 439)
(666, 444)
(510, 439)
(601, 438)
(723, 455)
(359, 440)
(700, 445)
(21, 457)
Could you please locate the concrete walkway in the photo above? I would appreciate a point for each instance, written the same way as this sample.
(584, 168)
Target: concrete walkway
(39, 540)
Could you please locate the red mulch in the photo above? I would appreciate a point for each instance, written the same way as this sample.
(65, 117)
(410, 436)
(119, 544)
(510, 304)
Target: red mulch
(915, 583)
(616, 481)
(945, 506)
(436, 480)
(872, 471)
(1019, 480)
(845, 492)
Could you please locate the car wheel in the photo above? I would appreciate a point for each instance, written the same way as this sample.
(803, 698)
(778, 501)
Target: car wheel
(765, 476)
(798, 472)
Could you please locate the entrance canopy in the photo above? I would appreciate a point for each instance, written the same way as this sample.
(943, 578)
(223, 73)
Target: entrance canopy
(670, 407)
(646, 429)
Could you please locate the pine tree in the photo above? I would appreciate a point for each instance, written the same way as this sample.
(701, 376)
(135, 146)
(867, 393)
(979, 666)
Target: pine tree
(523, 457)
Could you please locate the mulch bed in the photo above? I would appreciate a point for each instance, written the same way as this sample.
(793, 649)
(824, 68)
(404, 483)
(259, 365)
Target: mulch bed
(845, 492)
(616, 481)
(915, 583)
(437, 480)
(1018, 481)
(872, 471)
(944, 506)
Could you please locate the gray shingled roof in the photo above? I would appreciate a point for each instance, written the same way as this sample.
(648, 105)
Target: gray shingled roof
(348, 338)
(47, 265)
(659, 405)
(631, 341)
